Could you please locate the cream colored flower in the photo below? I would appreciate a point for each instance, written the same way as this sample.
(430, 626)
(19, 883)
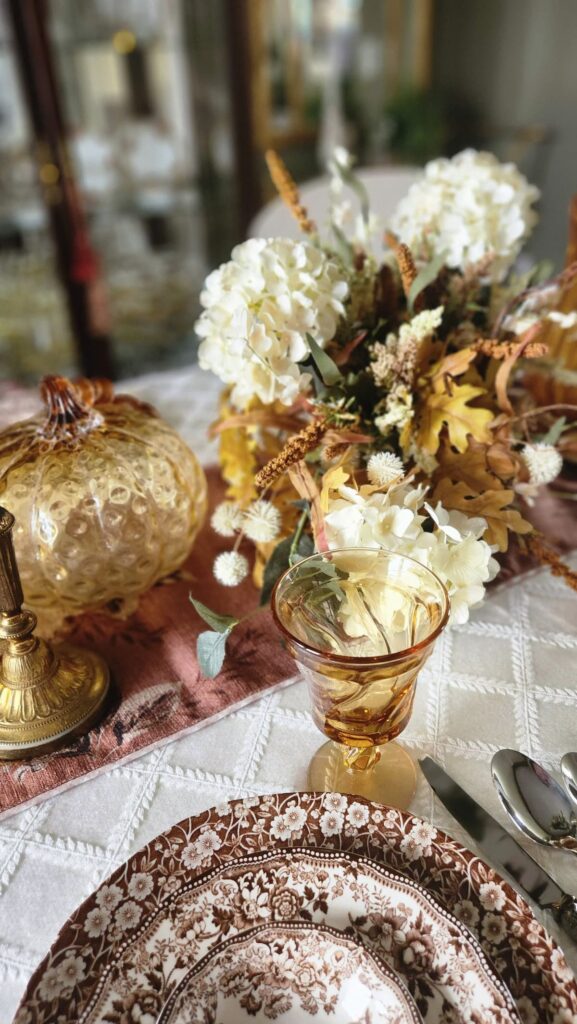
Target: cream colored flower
(230, 568)
(384, 467)
(423, 324)
(400, 520)
(468, 208)
(564, 320)
(395, 360)
(398, 411)
(227, 519)
(543, 462)
(262, 521)
(422, 458)
(258, 309)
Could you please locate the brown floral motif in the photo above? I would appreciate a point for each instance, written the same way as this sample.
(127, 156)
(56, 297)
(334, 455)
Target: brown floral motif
(272, 970)
(285, 904)
(209, 873)
(140, 1007)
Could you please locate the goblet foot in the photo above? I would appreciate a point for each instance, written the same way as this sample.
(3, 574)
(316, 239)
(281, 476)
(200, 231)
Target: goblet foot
(391, 779)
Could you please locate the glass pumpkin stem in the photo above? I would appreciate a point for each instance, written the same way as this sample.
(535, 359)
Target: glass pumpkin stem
(65, 408)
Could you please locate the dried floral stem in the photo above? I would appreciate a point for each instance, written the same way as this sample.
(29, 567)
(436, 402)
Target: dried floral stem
(503, 349)
(294, 450)
(287, 189)
(544, 554)
(405, 261)
(544, 408)
(334, 449)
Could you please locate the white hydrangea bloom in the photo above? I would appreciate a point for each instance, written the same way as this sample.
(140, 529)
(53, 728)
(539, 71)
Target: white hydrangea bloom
(226, 519)
(262, 521)
(454, 549)
(468, 208)
(543, 461)
(259, 307)
(230, 568)
(384, 467)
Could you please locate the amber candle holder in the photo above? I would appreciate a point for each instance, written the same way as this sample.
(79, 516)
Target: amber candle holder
(361, 623)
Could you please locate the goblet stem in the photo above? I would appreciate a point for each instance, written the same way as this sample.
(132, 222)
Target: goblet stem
(360, 759)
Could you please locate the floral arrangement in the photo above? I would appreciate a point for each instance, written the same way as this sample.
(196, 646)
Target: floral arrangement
(380, 398)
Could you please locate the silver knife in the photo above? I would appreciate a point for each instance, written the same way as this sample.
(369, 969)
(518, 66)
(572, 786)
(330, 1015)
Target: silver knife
(504, 852)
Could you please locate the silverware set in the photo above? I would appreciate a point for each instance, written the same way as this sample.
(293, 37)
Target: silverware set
(536, 803)
(540, 808)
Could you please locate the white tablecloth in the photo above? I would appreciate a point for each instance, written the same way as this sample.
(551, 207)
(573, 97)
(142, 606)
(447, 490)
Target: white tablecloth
(506, 679)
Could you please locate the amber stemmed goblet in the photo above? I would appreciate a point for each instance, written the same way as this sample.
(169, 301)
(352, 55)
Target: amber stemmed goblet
(360, 624)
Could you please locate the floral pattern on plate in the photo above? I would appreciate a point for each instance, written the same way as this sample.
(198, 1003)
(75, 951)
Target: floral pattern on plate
(529, 962)
(438, 959)
(287, 972)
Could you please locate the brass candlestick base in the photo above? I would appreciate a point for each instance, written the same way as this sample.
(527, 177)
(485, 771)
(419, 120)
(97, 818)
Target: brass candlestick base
(47, 695)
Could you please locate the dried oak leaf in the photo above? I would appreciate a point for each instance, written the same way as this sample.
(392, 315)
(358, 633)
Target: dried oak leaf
(492, 505)
(452, 410)
(483, 467)
(454, 364)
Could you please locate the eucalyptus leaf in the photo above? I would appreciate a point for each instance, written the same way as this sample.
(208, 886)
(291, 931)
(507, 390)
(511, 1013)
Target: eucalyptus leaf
(220, 623)
(350, 178)
(280, 560)
(276, 565)
(327, 368)
(541, 272)
(425, 277)
(211, 651)
(555, 431)
(325, 593)
(344, 247)
(304, 548)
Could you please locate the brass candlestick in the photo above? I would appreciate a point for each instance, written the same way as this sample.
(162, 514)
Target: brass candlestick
(47, 694)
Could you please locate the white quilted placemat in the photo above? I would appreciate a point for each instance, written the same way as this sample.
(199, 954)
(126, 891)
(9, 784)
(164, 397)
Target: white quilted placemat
(507, 678)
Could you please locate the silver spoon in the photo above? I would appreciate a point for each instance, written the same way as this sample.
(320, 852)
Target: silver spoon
(534, 800)
(569, 772)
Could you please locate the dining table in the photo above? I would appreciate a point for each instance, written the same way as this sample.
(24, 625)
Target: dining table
(505, 678)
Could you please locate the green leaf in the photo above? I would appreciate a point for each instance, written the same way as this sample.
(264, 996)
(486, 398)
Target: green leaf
(304, 548)
(327, 368)
(326, 592)
(425, 277)
(555, 431)
(350, 178)
(276, 565)
(280, 560)
(210, 651)
(344, 247)
(220, 623)
(541, 272)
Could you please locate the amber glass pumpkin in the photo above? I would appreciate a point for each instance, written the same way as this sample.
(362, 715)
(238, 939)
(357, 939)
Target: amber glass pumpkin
(107, 497)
